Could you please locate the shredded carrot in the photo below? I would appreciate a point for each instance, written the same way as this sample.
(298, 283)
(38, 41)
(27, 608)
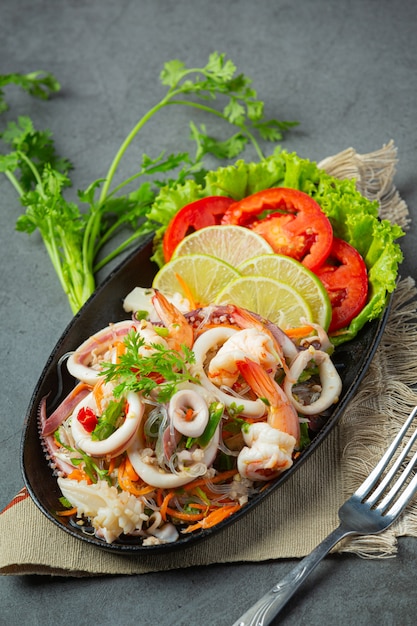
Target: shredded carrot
(67, 512)
(120, 350)
(121, 470)
(126, 479)
(134, 490)
(159, 497)
(130, 470)
(164, 506)
(189, 415)
(112, 464)
(205, 491)
(78, 388)
(216, 479)
(98, 394)
(187, 517)
(213, 518)
(299, 331)
(79, 474)
(198, 505)
(143, 491)
(187, 291)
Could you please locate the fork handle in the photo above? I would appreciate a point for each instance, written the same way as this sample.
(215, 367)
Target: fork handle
(267, 607)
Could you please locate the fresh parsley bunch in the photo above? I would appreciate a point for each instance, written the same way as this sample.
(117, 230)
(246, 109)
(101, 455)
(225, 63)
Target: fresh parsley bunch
(74, 233)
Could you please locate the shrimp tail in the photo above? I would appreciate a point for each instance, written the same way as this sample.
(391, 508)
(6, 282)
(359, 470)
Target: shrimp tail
(180, 331)
(281, 412)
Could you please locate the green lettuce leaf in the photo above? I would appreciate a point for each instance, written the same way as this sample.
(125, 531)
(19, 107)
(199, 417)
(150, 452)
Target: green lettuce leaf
(354, 218)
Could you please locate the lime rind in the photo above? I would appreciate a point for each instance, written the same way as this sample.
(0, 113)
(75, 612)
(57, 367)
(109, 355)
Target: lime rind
(204, 275)
(227, 242)
(293, 273)
(270, 298)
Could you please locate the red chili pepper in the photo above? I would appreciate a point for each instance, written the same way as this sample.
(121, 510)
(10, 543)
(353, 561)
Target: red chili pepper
(345, 278)
(199, 214)
(290, 220)
(87, 418)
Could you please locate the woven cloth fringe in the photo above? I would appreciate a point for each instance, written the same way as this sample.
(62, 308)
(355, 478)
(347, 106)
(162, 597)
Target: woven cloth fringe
(295, 518)
(386, 396)
(374, 176)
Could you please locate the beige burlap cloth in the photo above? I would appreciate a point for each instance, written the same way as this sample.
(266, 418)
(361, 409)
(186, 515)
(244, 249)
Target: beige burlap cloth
(304, 510)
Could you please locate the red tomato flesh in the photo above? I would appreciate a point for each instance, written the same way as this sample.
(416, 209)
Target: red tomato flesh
(294, 225)
(199, 214)
(345, 278)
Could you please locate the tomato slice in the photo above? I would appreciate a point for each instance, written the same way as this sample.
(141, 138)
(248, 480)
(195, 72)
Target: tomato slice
(191, 217)
(345, 278)
(294, 223)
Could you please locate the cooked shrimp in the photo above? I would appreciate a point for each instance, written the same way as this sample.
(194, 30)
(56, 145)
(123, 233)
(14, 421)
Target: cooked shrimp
(244, 319)
(250, 342)
(267, 454)
(281, 413)
(179, 331)
(211, 340)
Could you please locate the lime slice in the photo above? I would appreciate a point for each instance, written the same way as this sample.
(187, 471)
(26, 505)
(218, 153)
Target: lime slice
(203, 275)
(293, 273)
(274, 300)
(228, 243)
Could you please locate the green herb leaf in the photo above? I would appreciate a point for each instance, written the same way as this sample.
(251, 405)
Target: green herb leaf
(216, 410)
(90, 467)
(162, 368)
(107, 422)
(76, 234)
(38, 84)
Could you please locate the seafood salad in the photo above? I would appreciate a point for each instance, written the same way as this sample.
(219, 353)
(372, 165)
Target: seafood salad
(178, 417)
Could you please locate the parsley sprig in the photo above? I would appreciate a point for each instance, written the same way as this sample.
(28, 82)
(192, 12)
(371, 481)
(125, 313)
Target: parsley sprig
(75, 234)
(37, 84)
(162, 368)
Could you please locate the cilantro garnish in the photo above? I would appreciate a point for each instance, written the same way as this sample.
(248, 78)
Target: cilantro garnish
(74, 233)
(162, 368)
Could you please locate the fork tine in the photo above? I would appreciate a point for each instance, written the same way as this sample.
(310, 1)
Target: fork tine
(370, 482)
(393, 470)
(407, 493)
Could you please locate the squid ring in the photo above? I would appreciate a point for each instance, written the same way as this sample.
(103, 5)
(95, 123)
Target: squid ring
(330, 381)
(78, 362)
(181, 403)
(157, 477)
(118, 441)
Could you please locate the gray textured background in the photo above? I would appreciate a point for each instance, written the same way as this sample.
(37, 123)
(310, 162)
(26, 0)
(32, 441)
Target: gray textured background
(347, 72)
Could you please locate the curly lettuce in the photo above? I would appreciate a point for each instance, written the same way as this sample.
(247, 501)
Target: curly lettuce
(354, 218)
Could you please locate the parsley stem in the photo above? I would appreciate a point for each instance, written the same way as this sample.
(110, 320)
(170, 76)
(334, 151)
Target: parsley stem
(33, 169)
(114, 253)
(12, 178)
(126, 143)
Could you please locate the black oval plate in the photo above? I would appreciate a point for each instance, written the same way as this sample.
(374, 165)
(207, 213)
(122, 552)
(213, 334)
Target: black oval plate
(106, 305)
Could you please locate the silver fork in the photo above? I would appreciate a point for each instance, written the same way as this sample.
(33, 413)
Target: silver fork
(374, 506)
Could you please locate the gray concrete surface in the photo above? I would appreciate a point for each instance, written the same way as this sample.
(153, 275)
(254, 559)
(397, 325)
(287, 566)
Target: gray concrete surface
(347, 72)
